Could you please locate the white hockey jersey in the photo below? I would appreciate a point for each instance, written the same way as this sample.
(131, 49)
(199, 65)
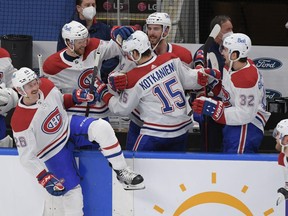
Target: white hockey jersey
(41, 130)
(67, 75)
(156, 88)
(243, 94)
(186, 58)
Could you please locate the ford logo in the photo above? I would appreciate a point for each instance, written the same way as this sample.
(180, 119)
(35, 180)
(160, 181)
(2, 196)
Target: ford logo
(271, 94)
(267, 63)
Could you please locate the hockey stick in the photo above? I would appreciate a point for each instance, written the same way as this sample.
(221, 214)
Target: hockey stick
(213, 34)
(96, 72)
(40, 65)
(210, 40)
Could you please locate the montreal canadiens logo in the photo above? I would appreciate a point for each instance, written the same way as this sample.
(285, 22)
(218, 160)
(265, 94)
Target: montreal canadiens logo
(85, 78)
(53, 122)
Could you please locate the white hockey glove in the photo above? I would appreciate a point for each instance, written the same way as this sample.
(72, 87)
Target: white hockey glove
(8, 100)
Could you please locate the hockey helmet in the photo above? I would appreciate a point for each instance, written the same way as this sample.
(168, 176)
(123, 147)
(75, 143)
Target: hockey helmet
(137, 41)
(74, 31)
(281, 131)
(158, 18)
(238, 42)
(21, 77)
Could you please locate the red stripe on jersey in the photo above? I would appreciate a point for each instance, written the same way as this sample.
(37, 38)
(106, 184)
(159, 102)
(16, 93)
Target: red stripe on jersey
(167, 126)
(112, 146)
(4, 53)
(136, 145)
(51, 144)
(262, 117)
(242, 139)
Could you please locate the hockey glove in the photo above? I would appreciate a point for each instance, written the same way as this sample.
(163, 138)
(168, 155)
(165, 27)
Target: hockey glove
(117, 81)
(208, 76)
(120, 33)
(202, 78)
(51, 183)
(199, 58)
(101, 90)
(210, 107)
(8, 100)
(213, 73)
(82, 95)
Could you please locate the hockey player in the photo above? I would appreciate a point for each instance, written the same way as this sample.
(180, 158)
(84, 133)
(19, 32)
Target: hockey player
(72, 67)
(156, 89)
(8, 97)
(211, 131)
(242, 109)
(158, 26)
(85, 13)
(280, 134)
(44, 133)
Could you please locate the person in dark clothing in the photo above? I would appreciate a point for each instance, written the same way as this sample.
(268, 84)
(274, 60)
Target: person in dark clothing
(85, 13)
(211, 131)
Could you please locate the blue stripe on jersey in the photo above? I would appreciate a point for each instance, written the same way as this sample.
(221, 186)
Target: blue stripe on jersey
(64, 140)
(136, 116)
(114, 155)
(91, 111)
(167, 130)
(261, 121)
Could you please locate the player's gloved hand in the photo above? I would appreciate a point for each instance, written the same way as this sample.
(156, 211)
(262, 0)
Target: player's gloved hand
(207, 76)
(100, 89)
(213, 73)
(120, 33)
(8, 100)
(199, 58)
(51, 183)
(210, 107)
(118, 81)
(202, 78)
(82, 95)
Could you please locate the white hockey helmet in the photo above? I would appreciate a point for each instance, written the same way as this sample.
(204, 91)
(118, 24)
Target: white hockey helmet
(137, 41)
(158, 18)
(238, 42)
(73, 31)
(21, 77)
(281, 130)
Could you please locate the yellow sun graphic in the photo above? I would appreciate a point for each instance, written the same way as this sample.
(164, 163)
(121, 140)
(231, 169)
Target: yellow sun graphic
(213, 197)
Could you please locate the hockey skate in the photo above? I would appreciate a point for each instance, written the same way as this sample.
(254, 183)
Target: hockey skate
(282, 195)
(129, 179)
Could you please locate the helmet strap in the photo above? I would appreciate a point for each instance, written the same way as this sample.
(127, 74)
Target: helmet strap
(133, 59)
(162, 37)
(73, 47)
